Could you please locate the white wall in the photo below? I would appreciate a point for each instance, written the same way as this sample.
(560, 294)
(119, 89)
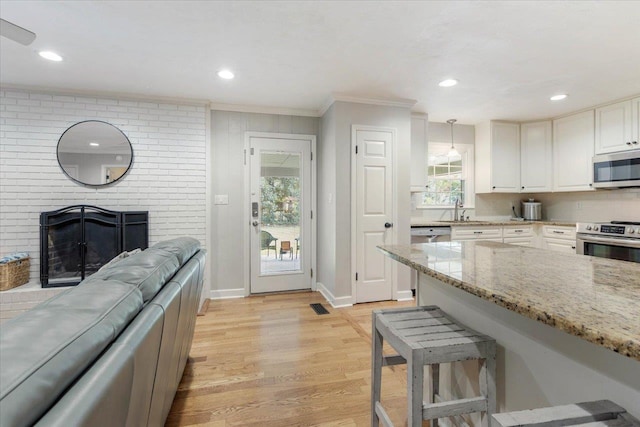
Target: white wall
(335, 273)
(167, 178)
(227, 174)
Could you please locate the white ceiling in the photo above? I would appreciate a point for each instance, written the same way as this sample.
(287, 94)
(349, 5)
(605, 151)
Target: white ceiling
(508, 56)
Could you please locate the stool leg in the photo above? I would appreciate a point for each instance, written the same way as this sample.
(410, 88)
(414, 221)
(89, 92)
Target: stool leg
(435, 388)
(376, 370)
(415, 378)
(488, 383)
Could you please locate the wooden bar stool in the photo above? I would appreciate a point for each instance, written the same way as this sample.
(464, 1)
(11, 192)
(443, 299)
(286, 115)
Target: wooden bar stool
(427, 336)
(600, 413)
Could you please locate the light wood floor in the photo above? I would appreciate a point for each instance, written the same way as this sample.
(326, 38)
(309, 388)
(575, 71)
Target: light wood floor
(271, 361)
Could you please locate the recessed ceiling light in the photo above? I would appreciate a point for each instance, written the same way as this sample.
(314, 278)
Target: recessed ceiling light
(51, 56)
(225, 74)
(448, 83)
(94, 144)
(558, 97)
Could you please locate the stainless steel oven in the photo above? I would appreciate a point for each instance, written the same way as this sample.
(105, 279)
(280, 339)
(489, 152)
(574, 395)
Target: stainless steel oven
(617, 170)
(616, 240)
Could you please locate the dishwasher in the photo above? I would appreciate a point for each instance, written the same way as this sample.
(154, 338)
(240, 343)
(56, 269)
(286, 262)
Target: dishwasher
(421, 234)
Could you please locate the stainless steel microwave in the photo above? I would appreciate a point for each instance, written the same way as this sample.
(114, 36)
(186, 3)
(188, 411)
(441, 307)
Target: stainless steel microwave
(617, 170)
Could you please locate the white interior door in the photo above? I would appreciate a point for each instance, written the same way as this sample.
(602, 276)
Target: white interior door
(373, 212)
(280, 179)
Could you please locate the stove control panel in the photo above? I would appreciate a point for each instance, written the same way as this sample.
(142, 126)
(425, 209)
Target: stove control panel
(609, 229)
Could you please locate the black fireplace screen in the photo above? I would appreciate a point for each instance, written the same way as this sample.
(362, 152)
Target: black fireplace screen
(76, 241)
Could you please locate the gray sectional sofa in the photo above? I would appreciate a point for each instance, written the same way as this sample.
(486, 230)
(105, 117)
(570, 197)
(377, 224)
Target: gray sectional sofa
(108, 352)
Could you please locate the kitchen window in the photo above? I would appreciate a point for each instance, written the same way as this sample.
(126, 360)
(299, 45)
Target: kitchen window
(449, 177)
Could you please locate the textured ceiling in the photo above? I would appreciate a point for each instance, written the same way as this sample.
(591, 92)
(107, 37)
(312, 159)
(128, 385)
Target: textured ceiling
(509, 56)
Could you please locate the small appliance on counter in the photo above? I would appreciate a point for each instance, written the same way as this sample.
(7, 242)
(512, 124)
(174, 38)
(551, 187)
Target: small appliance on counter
(616, 240)
(532, 210)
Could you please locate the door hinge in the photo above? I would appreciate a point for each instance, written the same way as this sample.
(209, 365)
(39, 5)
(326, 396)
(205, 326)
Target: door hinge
(312, 272)
(312, 156)
(252, 151)
(311, 214)
(245, 157)
(356, 149)
(356, 277)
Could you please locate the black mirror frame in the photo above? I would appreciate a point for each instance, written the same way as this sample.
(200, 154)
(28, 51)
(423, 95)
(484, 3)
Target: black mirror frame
(84, 183)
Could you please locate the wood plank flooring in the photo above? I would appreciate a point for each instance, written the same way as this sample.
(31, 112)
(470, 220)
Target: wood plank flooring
(271, 361)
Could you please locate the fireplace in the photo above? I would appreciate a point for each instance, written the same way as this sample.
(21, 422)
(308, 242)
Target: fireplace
(77, 240)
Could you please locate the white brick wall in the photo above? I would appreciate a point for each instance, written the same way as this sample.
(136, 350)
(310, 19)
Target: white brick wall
(168, 176)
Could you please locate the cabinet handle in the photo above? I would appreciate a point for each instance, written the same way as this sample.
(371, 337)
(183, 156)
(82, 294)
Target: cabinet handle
(634, 142)
(523, 187)
(518, 231)
(628, 142)
(493, 188)
(477, 232)
(573, 247)
(558, 232)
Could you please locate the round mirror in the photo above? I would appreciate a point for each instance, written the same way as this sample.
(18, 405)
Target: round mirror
(94, 153)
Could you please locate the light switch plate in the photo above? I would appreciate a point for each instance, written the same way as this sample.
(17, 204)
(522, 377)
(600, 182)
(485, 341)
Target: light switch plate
(221, 199)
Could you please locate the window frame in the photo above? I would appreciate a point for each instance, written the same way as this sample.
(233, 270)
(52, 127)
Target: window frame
(467, 155)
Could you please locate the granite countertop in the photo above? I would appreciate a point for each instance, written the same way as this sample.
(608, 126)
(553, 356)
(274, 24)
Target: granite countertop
(419, 222)
(596, 299)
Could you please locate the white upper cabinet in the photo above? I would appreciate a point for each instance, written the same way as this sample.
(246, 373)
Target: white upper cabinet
(498, 158)
(573, 147)
(536, 157)
(615, 125)
(419, 140)
(635, 134)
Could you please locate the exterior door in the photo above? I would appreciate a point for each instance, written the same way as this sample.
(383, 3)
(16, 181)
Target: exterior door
(373, 212)
(280, 179)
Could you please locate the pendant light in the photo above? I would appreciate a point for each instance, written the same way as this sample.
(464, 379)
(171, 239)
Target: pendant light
(452, 152)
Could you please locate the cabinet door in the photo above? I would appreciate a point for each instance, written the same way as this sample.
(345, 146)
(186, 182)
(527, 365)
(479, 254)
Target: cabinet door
(614, 128)
(536, 172)
(635, 134)
(418, 153)
(521, 241)
(559, 245)
(476, 233)
(573, 152)
(505, 157)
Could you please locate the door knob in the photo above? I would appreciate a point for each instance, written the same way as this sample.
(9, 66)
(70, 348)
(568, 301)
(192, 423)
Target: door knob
(255, 223)
(388, 224)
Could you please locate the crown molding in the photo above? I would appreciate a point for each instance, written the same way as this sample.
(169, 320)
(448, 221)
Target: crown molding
(264, 109)
(106, 94)
(388, 102)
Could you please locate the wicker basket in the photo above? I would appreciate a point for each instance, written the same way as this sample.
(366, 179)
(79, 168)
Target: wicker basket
(14, 273)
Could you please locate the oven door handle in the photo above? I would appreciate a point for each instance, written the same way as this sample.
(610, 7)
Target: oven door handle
(630, 243)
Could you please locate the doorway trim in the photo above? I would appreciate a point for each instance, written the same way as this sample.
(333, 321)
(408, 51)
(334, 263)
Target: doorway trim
(247, 201)
(354, 217)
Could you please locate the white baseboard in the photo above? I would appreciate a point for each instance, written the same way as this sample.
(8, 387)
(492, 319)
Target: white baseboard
(227, 293)
(404, 295)
(335, 302)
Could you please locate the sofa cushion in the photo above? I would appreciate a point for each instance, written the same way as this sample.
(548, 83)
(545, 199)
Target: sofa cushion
(151, 269)
(182, 247)
(45, 349)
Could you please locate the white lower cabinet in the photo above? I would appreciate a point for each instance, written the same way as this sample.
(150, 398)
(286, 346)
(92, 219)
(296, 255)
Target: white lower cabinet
(559, 239)
(485, 233)
(550, 237)
(520, 235)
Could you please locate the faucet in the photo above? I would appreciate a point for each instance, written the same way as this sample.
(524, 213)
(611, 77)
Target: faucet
(457, 205)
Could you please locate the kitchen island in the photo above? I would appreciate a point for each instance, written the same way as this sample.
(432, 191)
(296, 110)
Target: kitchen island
(567, 326)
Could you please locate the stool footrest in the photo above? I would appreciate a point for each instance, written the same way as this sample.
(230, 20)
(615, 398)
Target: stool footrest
(454, 407)
(382, 414)
(396, 359)
(586, 413)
